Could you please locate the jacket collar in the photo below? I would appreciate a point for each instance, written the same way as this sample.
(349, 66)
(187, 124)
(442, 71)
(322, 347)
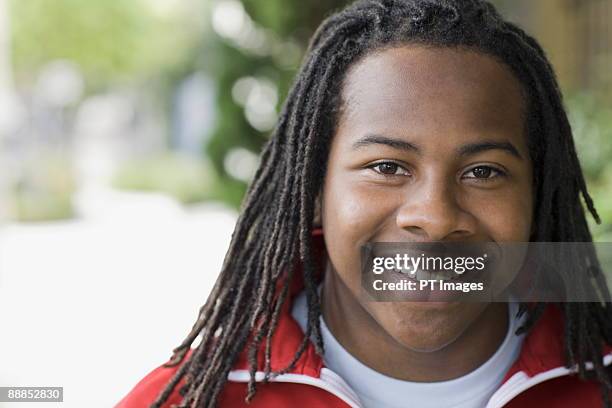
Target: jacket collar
(542, 355)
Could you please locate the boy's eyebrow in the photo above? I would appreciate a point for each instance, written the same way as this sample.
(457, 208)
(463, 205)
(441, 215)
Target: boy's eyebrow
(388, 141)
(474, 148)
(465, 150)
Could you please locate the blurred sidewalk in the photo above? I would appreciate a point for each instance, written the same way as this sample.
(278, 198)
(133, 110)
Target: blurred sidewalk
(95, 303)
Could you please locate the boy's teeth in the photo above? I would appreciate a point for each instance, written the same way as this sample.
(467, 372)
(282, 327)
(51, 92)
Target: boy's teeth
(428, 275)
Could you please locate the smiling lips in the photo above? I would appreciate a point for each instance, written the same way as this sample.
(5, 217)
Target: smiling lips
(420, 274)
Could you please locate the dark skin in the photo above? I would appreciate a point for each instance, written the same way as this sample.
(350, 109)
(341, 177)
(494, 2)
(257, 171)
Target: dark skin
(430, 146)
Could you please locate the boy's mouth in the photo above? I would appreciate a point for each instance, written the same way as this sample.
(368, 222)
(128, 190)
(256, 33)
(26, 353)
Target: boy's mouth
(420, 274)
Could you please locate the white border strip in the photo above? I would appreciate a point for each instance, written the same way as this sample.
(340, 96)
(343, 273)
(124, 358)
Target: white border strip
(520, 382)
(334, 384)
(329, 381)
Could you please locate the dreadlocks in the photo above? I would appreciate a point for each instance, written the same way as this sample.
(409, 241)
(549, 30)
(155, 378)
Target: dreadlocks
(276, 218)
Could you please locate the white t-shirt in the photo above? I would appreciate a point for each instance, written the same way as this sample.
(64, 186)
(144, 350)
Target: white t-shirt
(376, 390)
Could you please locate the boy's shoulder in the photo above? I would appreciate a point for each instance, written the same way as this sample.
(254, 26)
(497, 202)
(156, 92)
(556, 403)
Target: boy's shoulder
(146, 391)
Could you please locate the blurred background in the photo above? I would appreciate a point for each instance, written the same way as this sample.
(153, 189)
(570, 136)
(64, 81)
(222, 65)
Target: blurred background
(128, 133)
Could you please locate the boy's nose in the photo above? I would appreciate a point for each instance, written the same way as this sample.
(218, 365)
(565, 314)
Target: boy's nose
(431, 213)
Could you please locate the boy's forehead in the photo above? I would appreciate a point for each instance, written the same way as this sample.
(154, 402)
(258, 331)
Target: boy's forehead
(433, 90)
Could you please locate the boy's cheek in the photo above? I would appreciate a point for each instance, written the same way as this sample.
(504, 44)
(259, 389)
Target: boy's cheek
(349, 221)
(356, 207)
(507, 221)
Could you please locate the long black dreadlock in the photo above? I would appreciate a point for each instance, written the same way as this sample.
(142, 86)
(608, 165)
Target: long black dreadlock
(276, 218)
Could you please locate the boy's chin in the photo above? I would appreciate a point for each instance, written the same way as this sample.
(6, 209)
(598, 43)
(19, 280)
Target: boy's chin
(425, 330)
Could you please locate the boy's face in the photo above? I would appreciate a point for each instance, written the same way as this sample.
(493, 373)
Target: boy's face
(430, 146)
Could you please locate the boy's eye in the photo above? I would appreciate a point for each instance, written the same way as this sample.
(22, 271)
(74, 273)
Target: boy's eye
(484, 173)
(389, 169)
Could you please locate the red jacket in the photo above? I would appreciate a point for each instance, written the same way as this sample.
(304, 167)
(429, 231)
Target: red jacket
(538, 378)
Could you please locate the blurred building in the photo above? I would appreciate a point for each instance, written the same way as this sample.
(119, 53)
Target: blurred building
(576, 34)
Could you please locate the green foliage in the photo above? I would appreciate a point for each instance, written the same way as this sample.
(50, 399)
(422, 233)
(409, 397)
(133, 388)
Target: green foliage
(297, 19)
(44, 193)
(111, 40)
(290, 21)
(40, 206)
(185, 178)
(591, 118)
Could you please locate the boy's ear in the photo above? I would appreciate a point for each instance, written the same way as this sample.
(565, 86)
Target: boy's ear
(316, 221)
